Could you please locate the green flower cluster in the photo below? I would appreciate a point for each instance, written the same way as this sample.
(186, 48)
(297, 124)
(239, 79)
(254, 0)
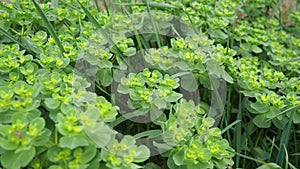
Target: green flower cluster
(260, 80)
(21, 138)
(150, 88)
(23, 134)
(81, 157)
(124, 154)
(196, 143)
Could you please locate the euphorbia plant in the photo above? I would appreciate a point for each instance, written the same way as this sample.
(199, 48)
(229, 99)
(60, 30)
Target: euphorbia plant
(77, 77)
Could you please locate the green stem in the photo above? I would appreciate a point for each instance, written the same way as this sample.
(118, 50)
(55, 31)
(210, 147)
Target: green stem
(148, 133)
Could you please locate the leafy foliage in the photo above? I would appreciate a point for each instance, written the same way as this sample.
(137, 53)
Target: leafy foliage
(69, 68)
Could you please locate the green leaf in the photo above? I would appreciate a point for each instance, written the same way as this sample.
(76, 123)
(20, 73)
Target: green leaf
(162, 148)
(205, 81)
(173, 97)
(130, 51)
(73, 142)
(104, 76)
(160, 103)
(65, 108)
(214, 68)
(118, 74)
(52, 153)
(189, 83)
(52, 103)
(256, 49)
(101, 134)
(143, 153)
(43, 138)
(261, 121)
(155, 113)
(151, 166)
(7, 145)
(274, 111)
(105, 64)
(260, 153)
(88, 154)
(13, 160)
(260, 107)
(227, 77)
(269, 166)
(179, 157)
(55, 167)
(296, 118)
(217, 33)
(245, 46)
(39, 123)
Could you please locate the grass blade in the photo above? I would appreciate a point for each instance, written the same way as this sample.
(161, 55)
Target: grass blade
(151, 4)
(106, 7)
(9, 36)
(97, 5)
(284, 140)
(230, 125)
(238, 134)
(272, 147)
(49, 26)
(286, 111)
(153, 24)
